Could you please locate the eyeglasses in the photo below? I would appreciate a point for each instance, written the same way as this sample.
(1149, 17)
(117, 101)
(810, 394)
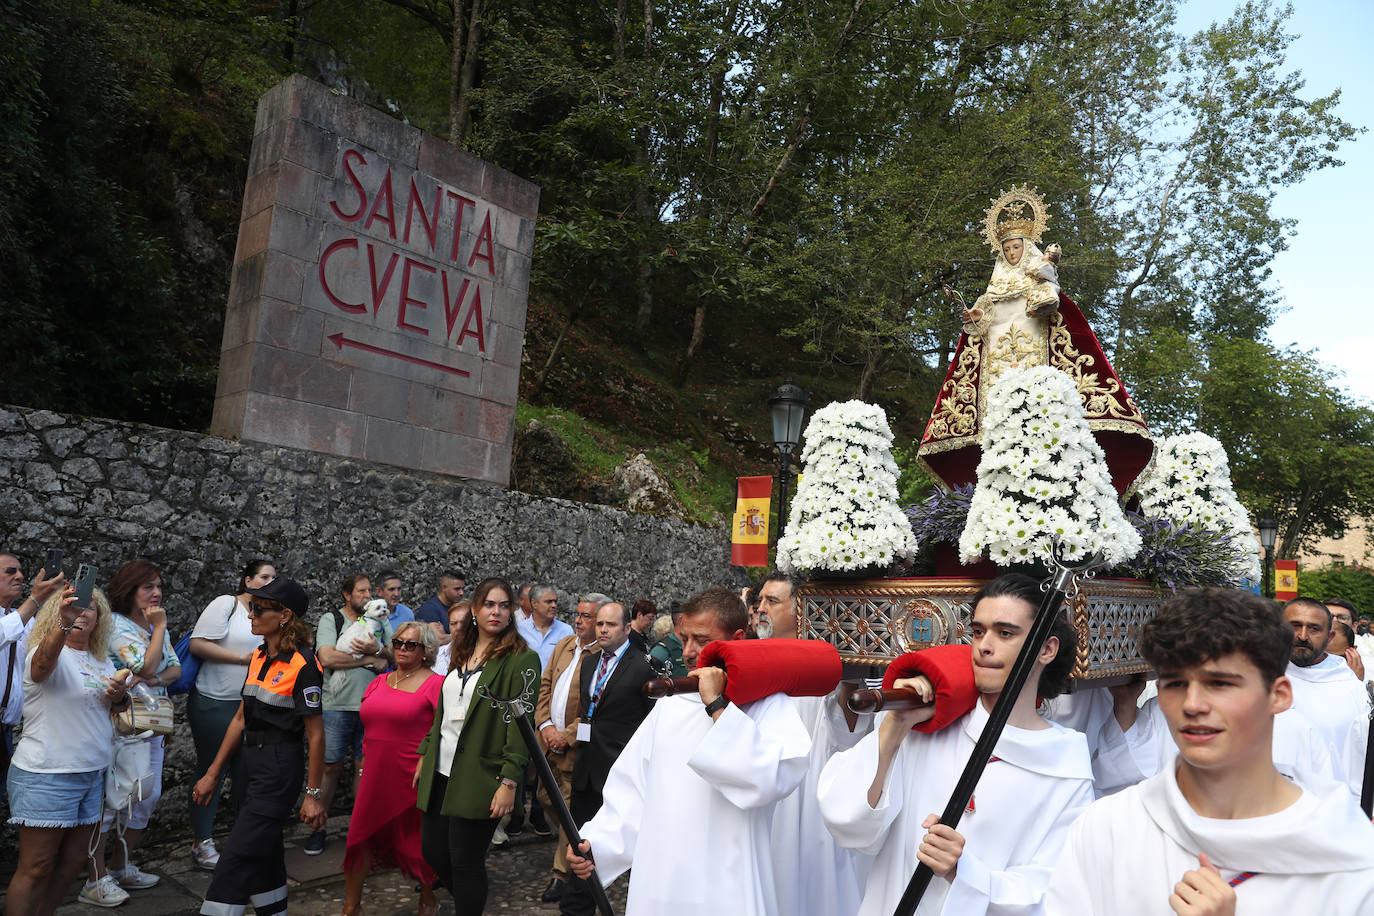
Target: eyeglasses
(10, 570)
(258, 608)
(409, 645)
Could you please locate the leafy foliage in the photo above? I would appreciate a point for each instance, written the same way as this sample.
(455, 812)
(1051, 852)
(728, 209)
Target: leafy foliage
(1353, 584)
(729, 188)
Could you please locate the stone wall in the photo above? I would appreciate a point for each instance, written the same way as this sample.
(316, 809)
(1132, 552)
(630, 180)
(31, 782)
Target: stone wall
(199, 507)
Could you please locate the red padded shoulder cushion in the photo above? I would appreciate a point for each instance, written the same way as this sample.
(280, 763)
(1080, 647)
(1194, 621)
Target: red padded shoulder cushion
(950, 670)
(757, 668)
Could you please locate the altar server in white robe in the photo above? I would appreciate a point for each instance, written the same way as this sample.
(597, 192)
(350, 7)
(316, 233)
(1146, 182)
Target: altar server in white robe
(1325, 690)
(1222, 831)
(884, 796)
(1146, 747)
(815, 875)
(689, 802)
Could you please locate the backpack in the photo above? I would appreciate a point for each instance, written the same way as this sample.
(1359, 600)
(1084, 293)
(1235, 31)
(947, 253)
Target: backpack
(190, 667)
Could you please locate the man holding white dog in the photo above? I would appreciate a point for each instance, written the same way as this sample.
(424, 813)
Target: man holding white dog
(347, 675)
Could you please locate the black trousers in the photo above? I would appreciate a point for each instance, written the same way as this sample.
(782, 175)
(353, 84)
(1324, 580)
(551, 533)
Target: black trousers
(252, 864)
(456, 848)
(577, 896)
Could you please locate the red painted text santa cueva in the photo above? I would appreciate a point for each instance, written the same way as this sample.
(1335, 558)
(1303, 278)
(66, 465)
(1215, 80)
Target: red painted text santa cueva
(429, 276)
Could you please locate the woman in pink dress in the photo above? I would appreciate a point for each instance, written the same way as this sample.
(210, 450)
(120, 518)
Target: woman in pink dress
(397, 709)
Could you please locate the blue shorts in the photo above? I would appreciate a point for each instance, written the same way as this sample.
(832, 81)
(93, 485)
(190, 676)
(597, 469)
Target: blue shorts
(343, 728)
(55, 799)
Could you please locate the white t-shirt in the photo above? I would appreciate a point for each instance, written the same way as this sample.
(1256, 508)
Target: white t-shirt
(458, 695)
(225, 623)
(66, 719)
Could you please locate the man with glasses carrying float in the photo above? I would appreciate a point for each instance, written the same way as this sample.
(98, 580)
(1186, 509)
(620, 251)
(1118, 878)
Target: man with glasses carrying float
(281, 703)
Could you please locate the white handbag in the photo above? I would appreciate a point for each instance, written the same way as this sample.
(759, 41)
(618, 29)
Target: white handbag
(130, 778)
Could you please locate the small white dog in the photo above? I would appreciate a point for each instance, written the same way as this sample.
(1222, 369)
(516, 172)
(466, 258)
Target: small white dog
(371, 625)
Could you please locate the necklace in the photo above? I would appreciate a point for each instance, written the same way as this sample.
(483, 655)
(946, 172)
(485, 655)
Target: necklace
(397, 681)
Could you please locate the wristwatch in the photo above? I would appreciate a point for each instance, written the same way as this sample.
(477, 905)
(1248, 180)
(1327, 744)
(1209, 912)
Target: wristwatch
(315, 793)
(716, 705)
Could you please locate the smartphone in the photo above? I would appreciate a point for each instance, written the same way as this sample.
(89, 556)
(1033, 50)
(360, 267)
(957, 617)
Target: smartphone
(53, 566)
(85, 584)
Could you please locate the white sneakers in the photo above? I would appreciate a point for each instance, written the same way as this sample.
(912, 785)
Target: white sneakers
(110, 890)
(105, 892)
(204, 854)
(134, 878)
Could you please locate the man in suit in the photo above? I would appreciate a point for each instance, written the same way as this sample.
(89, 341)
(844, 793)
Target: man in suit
(560, 705)
(613, 705)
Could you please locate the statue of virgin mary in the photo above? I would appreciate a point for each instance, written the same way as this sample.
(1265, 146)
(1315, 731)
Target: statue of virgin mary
(1023, 320)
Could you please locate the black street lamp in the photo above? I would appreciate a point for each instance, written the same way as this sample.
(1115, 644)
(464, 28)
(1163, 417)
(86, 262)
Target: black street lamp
(788, 407)
(1268, 530)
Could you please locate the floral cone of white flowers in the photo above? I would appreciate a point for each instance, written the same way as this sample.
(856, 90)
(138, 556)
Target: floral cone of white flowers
(1189, 483)
(845, 515)
(1042, 474)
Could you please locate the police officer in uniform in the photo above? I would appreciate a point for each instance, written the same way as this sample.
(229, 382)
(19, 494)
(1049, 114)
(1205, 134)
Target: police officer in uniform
(281, 702)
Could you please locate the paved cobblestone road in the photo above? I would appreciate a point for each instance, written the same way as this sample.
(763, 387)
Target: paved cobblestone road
(519, 873)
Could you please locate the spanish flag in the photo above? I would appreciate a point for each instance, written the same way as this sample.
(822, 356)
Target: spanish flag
(749, 533)
(1285, 580)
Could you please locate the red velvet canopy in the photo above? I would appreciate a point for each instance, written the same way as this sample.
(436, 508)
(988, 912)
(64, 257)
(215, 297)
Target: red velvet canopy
(950, 447)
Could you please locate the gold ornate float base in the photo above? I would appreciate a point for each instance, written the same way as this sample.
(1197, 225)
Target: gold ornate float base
(872, 621)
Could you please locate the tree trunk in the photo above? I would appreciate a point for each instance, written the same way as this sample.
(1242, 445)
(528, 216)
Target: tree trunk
(455, 72)
(698, 335)
(543, 377)
(293, 29)
(643, 206)
(798, 133)
(873, 364)
(458, 126)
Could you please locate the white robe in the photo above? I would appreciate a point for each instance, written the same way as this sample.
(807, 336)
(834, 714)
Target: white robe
(1022, 809)
(1125, 854)
(815, 876)
(1083, 711)
(1334, 700)
(689, 804)
(1124, 759)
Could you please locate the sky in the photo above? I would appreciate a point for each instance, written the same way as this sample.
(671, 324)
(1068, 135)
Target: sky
(1330, 310)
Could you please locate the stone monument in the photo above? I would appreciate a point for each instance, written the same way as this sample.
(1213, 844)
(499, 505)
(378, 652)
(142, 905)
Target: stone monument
(377, 305)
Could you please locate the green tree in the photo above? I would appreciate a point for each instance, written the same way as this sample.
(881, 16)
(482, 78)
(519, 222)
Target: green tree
(1351, 583)
(1301, 451)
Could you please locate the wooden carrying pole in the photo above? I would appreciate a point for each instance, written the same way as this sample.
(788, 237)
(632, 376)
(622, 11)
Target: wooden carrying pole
(892, 698)
(1063, 579)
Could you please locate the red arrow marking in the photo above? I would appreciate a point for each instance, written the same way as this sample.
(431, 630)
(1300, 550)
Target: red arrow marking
(341, 341)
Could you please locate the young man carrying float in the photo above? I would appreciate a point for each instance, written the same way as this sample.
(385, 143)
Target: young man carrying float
(1222, 832)
(878, 796)
(689, 801)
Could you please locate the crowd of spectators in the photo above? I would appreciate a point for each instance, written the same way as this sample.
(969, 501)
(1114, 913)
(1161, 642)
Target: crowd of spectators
(274, 709)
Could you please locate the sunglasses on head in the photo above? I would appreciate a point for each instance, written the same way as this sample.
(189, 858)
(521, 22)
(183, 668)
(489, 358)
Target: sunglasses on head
(408, 644)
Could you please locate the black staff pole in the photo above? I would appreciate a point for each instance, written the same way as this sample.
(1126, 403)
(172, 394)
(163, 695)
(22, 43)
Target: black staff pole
(1367, 789)
(1059, 583)
(517, 708)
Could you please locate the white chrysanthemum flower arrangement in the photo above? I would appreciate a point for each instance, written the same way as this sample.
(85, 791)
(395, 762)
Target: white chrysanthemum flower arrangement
(1042, 474)
(845, 515)
(1189, 483)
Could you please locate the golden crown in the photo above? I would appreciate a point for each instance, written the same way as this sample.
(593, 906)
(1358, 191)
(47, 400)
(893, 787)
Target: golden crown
(1007, 217)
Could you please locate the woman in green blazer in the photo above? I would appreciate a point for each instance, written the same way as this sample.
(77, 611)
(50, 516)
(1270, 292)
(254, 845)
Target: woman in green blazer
(473, 755)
